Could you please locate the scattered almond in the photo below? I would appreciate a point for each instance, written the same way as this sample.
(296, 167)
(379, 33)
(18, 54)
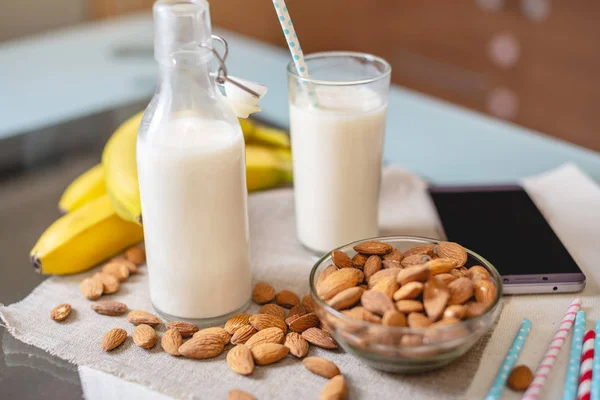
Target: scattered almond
(264, 321)
(321, 366)
(319, 338)
(359, 312)
(373, 247)
(144, 336)
(335, 389)
(269, 335)
(440, 266)
(359, 260)
(185, 328)
(372, 265)
(171, 341)
(269, 353)
(339, 280)
(132, 267)
(376, 302)
(304, 322)
(341, 259)
(117, 268)
(409, 291)
(461, 290)
(242, 334)
(273, 309)
(287, 299)
(110, 283)
(263, 293)
(413, 274)
(217, 331)
(418, 320)
(485, 291)
(237, 394)
(421, 249)
(136, 255)
(112, 308)
(520, 378)
(113, 338)
(408, 306)
(236, 322)
(297, 310)
(60, 312)
(435, 298)
(137, 317)
(297, 344)
(240, 360)
(453, 251)
(91, 288)
(414, 260)
(346, 298)
(201, 347)
(394, 318)
(307, 303)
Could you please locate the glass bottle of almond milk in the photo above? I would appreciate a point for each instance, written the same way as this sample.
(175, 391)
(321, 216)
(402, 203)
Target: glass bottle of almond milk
(191, 166)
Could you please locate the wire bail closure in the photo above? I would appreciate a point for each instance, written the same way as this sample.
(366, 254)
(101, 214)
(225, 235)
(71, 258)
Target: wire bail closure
(222, 76)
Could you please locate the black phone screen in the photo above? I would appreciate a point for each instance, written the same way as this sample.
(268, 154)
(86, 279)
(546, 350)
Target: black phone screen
(504, 226)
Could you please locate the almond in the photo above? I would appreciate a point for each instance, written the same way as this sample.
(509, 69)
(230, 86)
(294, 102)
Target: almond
(319, 338)
(325, 273)
(112, 308)
(339, 280)
(395, 255)
(242, 334)
(414, 260)
(321, 366)
(373, 247)
(60, 312)
(237, 394)
(453, 251)
(478, 272)
(144, 336)
(346, 298)
(307, 303)
(264, 321)
(376, 302)
(201, 347)
(113, 338)
(421, 249)
(269, 353)
(91, 288)
(363, 314)
(520, 378)
(341, 259)
(387, 286)
(110, 283)
(137, 317)
(372, 265)
(273, 309)
(136, 255)
(411, 340)
(185, 328)
(171, 341)
(394, 318)
(474, 309)
(418, 320)
(461, 290)
(117, 268)
(455, 311)
(217, 331)
(387, 264)
(435, 298)
(297, 310)
(461, 272)
(446, 278)
(359, 260)
(297, 344)
(263, 293)
(269, 335)
(411, 290)
(408, 306)
(448, 329)
(485, 292)
(440, 266)
(236, 322)
(132, 267)
(413, 274)
(304, 322)
(240, 360)
(287, 299)
(383, 274)
(335, 389)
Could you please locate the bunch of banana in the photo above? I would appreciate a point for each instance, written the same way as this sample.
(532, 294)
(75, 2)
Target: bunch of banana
(102, 206)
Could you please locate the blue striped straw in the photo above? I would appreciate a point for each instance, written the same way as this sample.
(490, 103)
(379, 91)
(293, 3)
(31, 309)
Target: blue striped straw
(572, 380)
(596, 366)
(509, 361)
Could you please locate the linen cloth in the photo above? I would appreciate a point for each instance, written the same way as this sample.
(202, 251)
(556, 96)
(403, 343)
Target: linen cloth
(569, 199)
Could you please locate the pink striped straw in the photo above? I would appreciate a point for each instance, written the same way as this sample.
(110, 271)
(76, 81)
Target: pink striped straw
(543, 370)
(585, 372)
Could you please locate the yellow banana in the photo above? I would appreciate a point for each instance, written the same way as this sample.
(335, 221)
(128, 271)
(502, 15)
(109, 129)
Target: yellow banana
(120, 170)
(265, 167)
(81, 239)
(271, 137)
(88, 186)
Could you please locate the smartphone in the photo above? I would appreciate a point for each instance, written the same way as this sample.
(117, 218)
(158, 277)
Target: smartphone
(504, 226)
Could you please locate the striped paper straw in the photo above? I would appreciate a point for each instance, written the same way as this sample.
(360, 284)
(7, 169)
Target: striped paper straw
(509, 361)
(572, 379)
(585, 373)
(543, 370)
(596, 370)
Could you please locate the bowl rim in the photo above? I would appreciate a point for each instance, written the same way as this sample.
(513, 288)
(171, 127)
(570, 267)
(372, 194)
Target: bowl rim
(405, 329)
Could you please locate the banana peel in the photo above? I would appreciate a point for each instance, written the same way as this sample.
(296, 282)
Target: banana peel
(266, 168)
(85, 188)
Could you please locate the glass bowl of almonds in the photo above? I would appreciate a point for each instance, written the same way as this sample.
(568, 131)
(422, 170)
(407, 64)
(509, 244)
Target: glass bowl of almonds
(405, 303)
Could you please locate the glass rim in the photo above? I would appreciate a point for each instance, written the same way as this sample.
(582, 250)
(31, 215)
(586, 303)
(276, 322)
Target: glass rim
(292, 72)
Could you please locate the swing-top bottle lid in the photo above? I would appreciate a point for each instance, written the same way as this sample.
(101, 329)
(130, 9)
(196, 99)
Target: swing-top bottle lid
(180, 25)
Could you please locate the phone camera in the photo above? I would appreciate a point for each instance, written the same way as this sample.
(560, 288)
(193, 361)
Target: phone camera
(555, 288)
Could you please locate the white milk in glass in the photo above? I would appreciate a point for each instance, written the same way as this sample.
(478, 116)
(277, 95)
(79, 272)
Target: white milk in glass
(194, 202)
(337, 155)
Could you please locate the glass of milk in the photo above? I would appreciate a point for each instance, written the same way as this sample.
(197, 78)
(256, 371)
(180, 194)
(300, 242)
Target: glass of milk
(192, 176)
(337, 124)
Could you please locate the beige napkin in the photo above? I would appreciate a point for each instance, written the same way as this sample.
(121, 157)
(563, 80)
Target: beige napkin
(278, 258)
